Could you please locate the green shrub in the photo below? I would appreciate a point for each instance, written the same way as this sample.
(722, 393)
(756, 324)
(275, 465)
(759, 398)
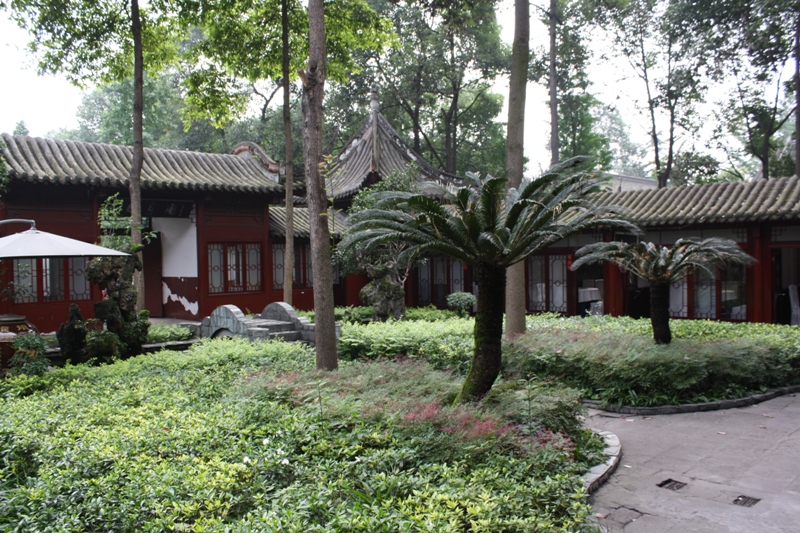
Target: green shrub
(237, 436)
(615, 360)
(160, 333)
(361, 314)
(103, 346)
(29, 358)
(345, 314)
(461, 302)
(446, 344)
(430, 313)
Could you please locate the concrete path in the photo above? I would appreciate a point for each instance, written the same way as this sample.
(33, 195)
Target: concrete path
(720, 455)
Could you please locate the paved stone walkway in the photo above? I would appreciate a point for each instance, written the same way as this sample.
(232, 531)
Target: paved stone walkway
(721, 455)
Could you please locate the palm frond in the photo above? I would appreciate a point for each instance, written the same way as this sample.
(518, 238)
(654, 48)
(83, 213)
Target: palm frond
(661, 264)
(482, 223)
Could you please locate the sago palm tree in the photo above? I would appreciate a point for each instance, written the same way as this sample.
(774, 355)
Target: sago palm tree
(662, 266)
(489, 229)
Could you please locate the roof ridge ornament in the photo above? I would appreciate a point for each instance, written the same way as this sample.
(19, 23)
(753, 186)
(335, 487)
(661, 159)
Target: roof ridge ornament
(374, 103)
(269, 164)
(374, 110)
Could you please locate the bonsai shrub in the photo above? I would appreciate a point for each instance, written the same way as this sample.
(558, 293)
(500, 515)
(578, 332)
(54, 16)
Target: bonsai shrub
(387, 266)
(461, 302)
(72, 336)
(114, 275)
(103, 347)
(29, 358)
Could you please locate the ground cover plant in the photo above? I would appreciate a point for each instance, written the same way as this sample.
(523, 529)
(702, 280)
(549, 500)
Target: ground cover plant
(615, 360)
(237, 436)
(445, 344)
(159, 333)
(364, 313)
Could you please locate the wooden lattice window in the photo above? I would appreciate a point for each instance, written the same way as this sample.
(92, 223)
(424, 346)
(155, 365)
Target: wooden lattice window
(547, 283)
(54, 279)
(302, 274)
(234, 267)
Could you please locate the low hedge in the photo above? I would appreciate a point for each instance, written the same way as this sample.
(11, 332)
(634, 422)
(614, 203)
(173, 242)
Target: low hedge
(233, 436)
(365, 313)
(446, 344)
(160, 333)
(615, 360)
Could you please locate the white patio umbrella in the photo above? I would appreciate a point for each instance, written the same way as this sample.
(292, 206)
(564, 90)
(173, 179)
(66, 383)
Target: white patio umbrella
(35, 243)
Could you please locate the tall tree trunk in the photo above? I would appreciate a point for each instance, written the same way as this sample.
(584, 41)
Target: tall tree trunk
(288, 256)
(313, 93)
(134, 186)
(487, 357)
(666, 171)
(659, 312)
(450, 133)
(797, 93)
(554, 144)
(765, 148)
(651, 107)
(415, 120)
(515, 162)
(451, 117)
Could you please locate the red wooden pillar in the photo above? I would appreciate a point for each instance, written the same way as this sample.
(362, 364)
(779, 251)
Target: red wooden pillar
(353, 285)
(202, 258)
(613, 290)
(6, 266)
(572, 287)
(759, 287)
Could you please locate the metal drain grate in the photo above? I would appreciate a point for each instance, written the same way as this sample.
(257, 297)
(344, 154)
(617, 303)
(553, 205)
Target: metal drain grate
(671, 484)
(746, 501)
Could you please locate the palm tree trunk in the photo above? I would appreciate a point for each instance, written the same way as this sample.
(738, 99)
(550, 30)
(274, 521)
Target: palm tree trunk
(659, 312)
(487, 357)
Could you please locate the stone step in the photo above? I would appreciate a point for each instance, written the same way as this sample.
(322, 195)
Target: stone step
(270, 325)
(288, 336)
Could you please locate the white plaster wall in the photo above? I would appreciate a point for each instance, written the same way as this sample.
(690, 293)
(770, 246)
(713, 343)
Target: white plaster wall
(178, 246)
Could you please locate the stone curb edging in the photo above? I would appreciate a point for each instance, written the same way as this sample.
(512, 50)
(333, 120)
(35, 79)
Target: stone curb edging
(694, 407)
(600, 473)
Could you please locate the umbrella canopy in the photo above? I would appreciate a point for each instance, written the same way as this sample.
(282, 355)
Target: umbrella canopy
(35, 243)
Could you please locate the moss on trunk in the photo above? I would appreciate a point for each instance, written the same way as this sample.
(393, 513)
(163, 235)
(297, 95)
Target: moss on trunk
(487, 357)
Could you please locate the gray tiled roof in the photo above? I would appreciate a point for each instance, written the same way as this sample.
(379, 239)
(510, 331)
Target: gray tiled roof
(383, 154)
(738, 202)
(302, 229)
(61, 161)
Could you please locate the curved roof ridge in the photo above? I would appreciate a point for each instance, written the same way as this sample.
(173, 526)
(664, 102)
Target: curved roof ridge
(78, 162)
(730, 202)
